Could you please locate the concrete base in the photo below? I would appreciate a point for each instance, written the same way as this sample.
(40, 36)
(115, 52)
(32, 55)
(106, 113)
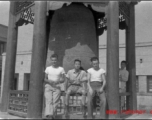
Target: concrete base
(4, 115)
(140, 116)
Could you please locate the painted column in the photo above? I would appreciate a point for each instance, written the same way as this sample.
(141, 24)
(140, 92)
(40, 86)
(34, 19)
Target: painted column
(131, 59)
(113, 57)
(10, 57)
(35, 99)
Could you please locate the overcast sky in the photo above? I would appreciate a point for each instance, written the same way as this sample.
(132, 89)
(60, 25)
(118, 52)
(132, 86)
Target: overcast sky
(143, 23)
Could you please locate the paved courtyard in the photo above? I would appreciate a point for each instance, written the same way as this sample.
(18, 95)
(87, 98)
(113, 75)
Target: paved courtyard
(140, 116)
(75, 116)
(4, 115)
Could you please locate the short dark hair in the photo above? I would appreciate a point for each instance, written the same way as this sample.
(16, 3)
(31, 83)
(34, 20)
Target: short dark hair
(54, 56)
(94, 59)
(124, 62)
(77, 60)
(81, 68)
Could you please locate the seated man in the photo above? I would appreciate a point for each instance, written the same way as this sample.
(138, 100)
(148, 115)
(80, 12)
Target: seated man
(75, 78)
(96, 84)
(123, 78)
(53, 78)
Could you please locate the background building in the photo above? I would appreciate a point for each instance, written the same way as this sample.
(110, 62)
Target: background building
(3, 40)
(143, 71)
(143, 30)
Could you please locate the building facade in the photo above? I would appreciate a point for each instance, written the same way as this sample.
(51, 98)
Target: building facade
(3, 40)
(143, 71)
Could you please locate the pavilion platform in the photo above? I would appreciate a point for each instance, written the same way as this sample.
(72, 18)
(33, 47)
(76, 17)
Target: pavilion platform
(5, 115)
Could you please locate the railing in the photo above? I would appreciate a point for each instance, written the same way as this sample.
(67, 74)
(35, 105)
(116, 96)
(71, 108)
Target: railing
(124, 108)
(75, 103)
(18, 102)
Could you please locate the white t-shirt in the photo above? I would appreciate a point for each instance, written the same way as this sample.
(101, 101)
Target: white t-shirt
(54, 73)
(96, 74)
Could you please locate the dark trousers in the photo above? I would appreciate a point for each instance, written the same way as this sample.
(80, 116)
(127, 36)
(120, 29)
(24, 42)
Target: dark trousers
(96, 87)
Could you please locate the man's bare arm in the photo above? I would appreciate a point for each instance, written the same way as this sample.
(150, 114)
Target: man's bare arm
(104, 81)
(48, 81)
(66, 83)
(84, 78)
(89, 77)
(62, 79)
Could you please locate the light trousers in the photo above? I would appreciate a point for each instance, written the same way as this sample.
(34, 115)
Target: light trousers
(122, 90)
(52, 98)
(96, 86)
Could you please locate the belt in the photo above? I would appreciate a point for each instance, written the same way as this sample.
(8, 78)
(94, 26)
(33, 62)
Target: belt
(75, 84)
(96, 82)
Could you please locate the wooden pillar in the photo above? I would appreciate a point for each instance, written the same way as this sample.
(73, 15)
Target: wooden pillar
(98, 47)
(131, 59)
(35, 99)
(113, 57)
(10, 57)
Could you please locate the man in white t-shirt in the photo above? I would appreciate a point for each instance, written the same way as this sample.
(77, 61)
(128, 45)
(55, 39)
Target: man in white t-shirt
(96, 83)
(53, 78)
